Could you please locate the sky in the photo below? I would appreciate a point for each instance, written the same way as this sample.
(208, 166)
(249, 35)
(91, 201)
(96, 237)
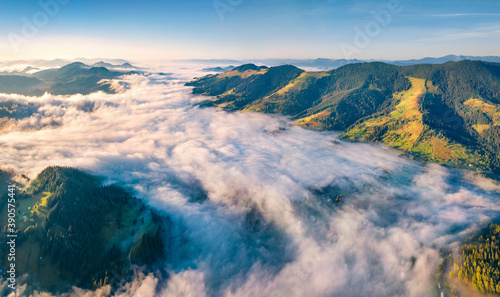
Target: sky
(247, 29)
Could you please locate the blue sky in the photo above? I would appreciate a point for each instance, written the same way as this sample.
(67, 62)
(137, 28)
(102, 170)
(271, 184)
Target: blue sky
(239, 29)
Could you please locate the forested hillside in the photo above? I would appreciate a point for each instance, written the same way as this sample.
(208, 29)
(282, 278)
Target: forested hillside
(476, 263)
(72, 231)
(449, 113)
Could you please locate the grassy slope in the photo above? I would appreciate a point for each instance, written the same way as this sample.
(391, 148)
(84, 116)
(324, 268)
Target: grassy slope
(491, 110)
(296, 85)
(403, 128)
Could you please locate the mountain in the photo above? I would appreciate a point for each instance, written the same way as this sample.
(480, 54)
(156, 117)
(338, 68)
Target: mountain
(17, 84)
(448, 113)
(57, 63)
(38, 63)
(328, 64)
(97, 60)
(320, 63)
(72, 231)
(218, 69)
(448, 58)
(113, 66)
(126, 65)
(71, 79)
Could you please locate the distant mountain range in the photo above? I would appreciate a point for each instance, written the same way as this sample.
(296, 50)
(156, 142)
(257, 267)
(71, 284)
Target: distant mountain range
(332, 63)
(449, 113)
(218, 69)
(62, 62)
(70, 79)
(449, 58)
(227, 64)
(327, 64)
(125, 65)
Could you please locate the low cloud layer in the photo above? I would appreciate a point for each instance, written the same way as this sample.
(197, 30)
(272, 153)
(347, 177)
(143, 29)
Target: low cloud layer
(255, 196)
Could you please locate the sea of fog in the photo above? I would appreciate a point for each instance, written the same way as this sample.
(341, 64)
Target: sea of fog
(256, 200)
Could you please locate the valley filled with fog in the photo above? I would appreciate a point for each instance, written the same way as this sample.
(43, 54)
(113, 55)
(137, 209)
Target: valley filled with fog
(263, 207)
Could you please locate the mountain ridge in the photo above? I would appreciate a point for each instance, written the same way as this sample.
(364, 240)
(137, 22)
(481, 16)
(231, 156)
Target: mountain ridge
(70, 79)
(368, 101)
(328, 64)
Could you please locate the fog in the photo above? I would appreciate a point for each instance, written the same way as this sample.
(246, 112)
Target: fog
(257, 198)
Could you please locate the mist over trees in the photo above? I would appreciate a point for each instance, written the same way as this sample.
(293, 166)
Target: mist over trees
(78, 228)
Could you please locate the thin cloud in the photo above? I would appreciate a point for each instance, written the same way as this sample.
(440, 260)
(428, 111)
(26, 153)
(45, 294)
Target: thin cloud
(454, 34)
(452, 15)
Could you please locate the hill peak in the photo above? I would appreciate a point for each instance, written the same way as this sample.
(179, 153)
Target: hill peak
(250, 66)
